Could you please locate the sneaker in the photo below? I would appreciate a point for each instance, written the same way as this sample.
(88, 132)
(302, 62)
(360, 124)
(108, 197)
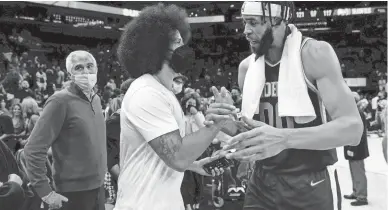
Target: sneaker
(240, 190)
(351, 197)
(232, 190)
(360, 202)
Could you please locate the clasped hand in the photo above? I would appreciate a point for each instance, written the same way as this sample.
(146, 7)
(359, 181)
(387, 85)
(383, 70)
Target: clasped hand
(258, 142)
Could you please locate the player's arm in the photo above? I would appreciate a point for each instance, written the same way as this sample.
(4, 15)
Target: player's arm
(230, 128)
(322, 66)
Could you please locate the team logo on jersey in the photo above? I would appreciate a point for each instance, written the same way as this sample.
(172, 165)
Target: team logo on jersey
(270, 90)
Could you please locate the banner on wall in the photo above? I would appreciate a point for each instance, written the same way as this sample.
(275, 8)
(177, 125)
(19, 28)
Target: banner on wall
(356, 82)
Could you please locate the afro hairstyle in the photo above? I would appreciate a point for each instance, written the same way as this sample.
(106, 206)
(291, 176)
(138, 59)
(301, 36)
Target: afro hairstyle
(144, 43)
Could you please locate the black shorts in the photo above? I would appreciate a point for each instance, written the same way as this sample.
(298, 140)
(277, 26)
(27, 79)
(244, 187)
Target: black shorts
(268, 191)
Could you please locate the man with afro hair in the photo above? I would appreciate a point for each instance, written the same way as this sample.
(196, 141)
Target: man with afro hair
(154, 150)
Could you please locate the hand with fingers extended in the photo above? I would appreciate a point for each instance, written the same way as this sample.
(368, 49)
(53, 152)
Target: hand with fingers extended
(222, 96)
(222, 110)
(54, 200)
(260, 142)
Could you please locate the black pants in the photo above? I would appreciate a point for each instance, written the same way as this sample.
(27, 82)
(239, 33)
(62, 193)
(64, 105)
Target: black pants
(268, 191)
(85, 200)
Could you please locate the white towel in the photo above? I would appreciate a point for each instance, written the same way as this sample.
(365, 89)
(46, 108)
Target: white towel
(293, 98)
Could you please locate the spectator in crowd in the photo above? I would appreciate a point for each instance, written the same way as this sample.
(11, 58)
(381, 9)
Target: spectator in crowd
(113, 146)
(191, 187)
(7, 131)
(23, 91)
(60, 77)
(19, 124)
(51, 80)
(3, 106)
(30, 106)
(41, 78)
(356, 156)
(11, 191)
(73, 126)
(11, 81)
(32, 201)
(18, 119)
(107, 97)
(236, 95)
(111, 83)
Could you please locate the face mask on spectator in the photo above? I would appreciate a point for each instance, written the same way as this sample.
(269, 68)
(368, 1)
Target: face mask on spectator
(85, 81)
(177, 87)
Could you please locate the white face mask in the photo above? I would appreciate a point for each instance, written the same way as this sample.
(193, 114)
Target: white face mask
(176, 88)
(85, 81)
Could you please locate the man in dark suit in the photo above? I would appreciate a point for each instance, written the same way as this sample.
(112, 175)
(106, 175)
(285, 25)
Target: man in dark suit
(356, 156)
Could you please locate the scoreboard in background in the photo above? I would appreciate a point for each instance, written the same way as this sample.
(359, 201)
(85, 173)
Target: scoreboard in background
(339, 12)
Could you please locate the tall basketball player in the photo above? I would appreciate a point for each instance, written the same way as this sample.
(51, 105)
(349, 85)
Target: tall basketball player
(291, 159)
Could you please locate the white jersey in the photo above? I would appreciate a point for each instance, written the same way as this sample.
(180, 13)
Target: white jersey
(149, 110)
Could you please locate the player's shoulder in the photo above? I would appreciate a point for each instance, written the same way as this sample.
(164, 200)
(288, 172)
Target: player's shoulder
(317, 56)
(314, 48)
(244, 64)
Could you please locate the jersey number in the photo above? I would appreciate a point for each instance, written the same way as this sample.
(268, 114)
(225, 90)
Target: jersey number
(267, 115)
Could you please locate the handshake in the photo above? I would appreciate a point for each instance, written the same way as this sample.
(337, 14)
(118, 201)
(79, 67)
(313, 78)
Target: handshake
(251, 140)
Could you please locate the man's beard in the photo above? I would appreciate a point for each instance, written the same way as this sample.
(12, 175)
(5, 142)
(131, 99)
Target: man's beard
(264, 44)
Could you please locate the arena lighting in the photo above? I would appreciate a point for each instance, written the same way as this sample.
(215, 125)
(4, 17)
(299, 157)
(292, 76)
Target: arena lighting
(130, 12)
(314, 29)
(321, 29)
(207, 19)
(122, 12)
(90, 7)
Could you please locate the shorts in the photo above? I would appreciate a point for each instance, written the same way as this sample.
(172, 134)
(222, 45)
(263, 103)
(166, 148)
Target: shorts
(309, 191)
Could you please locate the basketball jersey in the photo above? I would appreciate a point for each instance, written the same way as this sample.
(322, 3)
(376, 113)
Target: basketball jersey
(291, 160)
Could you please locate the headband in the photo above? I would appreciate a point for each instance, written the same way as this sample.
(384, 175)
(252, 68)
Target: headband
(269, 9)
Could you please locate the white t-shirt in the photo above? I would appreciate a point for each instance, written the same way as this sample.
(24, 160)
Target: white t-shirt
(149, 110)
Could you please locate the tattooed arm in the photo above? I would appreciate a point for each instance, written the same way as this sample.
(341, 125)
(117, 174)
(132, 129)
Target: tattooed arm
(179, 153)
